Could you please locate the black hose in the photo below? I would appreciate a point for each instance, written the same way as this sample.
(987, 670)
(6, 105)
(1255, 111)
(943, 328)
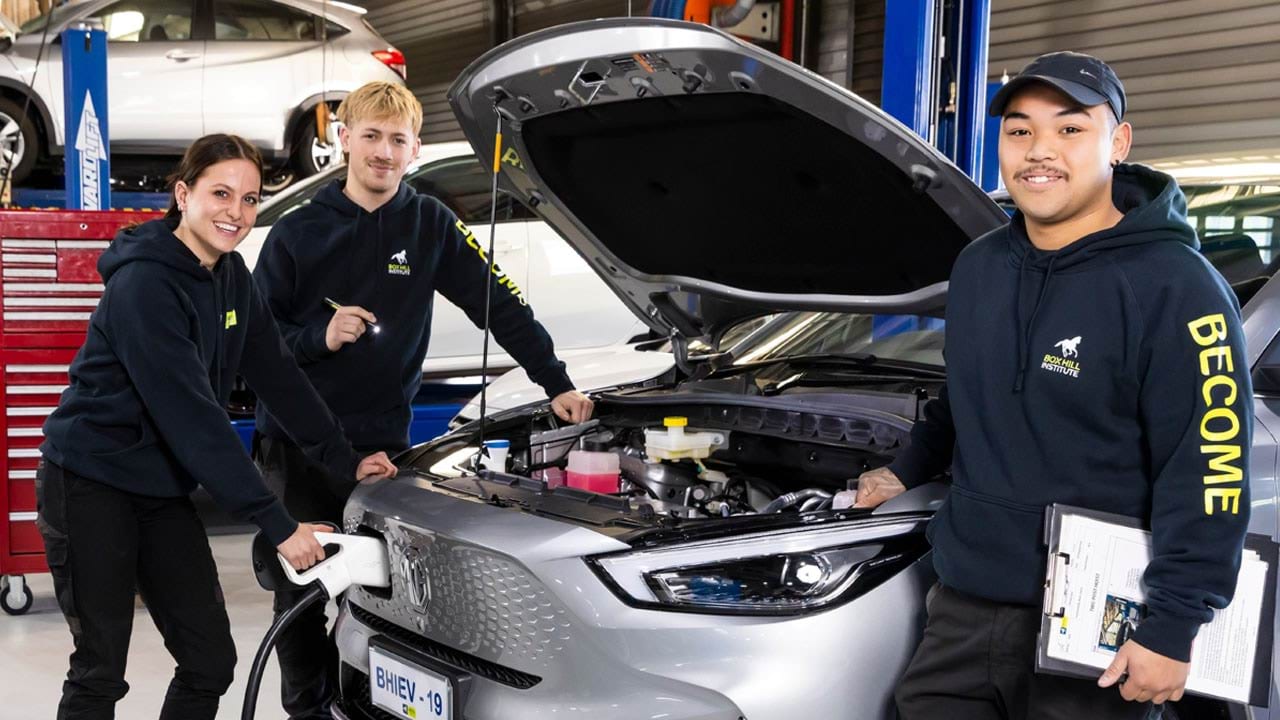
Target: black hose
(315, 593)
(785, 501)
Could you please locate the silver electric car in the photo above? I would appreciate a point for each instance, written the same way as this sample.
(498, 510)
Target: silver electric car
(710, 183)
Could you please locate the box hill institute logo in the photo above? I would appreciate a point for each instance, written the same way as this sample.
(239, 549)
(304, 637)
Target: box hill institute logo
(399, 264)
(1062, 363)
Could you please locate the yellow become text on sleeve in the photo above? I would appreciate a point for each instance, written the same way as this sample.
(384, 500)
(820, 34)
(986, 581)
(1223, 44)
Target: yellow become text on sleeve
(504, 280)
(1219, 424)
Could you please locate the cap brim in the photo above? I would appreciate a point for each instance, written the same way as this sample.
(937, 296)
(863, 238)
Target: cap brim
(1074, 90)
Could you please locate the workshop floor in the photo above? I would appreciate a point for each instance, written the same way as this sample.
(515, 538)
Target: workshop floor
(34, 648)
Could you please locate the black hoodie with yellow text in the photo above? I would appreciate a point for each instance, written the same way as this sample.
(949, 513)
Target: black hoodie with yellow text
(392, 262)
(1111, 375)
(145, 409)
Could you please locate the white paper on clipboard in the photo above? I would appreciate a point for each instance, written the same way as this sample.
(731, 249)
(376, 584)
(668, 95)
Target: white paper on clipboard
(1095, 599)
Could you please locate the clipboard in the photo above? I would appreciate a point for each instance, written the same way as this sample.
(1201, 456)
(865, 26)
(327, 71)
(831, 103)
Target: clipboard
(1058, 576)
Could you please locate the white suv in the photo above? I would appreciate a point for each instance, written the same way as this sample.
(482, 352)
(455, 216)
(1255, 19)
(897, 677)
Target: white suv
(178, 69)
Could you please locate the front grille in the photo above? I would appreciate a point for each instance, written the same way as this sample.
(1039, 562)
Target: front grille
(444, 653)
(471, 598)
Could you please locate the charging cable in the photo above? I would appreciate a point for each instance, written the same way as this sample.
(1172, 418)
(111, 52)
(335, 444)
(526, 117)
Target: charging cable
(349, 560)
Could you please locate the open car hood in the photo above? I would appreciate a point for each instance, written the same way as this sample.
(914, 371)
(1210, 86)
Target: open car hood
(708, 180)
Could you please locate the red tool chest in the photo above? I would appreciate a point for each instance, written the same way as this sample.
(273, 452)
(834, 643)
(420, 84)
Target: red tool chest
(49, 285)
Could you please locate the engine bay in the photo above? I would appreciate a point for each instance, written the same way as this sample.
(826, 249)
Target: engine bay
(643, 465)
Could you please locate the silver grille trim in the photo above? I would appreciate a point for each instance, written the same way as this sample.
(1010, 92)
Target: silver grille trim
(470, 598)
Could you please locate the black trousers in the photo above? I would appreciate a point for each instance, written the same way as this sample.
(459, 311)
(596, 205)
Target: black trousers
(307, 655)
(977, 661)
(101, 544)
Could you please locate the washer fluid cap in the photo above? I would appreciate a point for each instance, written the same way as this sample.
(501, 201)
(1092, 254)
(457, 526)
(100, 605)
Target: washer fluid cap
(675, 421)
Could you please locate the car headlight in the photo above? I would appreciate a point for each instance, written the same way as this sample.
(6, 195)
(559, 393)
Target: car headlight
(773, 573)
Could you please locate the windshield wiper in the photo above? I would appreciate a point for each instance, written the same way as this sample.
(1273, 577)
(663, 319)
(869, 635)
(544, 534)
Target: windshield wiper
(846, 361)
(835, 377)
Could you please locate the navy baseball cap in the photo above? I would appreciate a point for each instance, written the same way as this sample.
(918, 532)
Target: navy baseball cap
(1083, 78)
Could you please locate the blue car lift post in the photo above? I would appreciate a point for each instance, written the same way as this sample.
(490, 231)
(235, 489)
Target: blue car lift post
(928, 51)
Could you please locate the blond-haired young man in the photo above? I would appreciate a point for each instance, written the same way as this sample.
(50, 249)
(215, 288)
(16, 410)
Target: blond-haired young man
(382, 250)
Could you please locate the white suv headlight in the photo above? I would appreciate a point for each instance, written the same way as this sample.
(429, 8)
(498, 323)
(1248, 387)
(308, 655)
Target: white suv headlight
(772, 573)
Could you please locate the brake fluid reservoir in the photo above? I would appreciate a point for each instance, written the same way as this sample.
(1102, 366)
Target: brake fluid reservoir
(674, 443)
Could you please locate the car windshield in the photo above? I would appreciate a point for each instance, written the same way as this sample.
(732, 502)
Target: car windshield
(1237, 225)
(909, 338)
(36, 24)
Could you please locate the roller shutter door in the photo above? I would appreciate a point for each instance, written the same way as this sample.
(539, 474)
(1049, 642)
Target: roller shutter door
(438, 38)
(836, 35)
(531, 15)
(1203, 78)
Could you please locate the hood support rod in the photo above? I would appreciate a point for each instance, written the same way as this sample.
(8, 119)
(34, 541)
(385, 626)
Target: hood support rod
(499, 94)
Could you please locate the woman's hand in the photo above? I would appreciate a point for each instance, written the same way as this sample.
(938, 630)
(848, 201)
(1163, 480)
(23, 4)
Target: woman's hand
(302, 550)
(376, 467)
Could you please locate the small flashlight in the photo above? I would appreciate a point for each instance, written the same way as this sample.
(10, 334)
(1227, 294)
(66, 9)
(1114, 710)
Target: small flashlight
(338, 306)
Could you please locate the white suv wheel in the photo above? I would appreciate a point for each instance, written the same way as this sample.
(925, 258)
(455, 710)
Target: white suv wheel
(12, 144)
(311, 156)
(17, 141)
(325, 155)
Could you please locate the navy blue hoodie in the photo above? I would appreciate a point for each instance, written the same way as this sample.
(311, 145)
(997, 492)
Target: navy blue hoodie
(145, 408)
(1110, 374)
(391, 262)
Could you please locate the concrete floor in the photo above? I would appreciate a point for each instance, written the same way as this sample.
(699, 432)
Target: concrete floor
(34, 648)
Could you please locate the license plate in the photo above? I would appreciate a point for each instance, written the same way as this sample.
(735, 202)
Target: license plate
(406, 690)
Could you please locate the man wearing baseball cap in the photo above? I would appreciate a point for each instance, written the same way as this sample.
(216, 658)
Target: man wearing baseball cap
(1094, 359)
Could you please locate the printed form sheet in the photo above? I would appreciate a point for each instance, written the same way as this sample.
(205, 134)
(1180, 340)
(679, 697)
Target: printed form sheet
(1098, 589)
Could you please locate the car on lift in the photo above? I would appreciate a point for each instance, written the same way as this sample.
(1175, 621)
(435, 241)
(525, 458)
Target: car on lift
(711, 183)
(178, 69)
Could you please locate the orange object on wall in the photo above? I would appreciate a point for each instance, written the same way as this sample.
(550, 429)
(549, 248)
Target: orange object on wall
(699, 11)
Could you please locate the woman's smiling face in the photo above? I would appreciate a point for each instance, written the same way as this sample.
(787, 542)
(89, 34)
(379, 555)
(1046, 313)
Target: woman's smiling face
(219, 209)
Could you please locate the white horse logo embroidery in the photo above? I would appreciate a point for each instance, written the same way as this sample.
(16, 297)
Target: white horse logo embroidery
(1070, 347)
(402, 257)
